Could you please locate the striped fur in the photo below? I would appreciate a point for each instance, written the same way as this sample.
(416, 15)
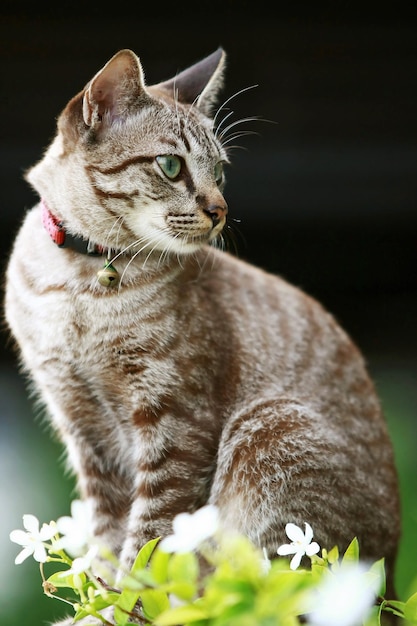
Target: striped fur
(199, 378)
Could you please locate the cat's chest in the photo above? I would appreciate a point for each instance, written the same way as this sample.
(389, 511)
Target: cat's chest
(121, 345)
(108, 363)
(109, 351)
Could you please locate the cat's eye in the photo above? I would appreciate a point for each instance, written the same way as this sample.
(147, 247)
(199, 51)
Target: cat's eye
(218, 173)
(170, 164)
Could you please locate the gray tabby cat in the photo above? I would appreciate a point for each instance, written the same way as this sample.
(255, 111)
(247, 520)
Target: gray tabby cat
(175, 374)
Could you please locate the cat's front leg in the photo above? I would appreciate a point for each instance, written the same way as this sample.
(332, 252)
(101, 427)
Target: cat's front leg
(173, 476)
(106, 489)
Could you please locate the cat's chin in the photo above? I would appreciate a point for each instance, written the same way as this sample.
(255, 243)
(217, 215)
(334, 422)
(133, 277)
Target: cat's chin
(183, 245)
(191, 246)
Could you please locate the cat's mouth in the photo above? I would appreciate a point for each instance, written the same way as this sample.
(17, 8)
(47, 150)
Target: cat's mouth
(195, 240)
(196, 230)
(190, 240)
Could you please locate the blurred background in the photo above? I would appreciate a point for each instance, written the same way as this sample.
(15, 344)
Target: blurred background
(325, 194)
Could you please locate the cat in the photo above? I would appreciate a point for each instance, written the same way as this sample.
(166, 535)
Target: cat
(175, 373)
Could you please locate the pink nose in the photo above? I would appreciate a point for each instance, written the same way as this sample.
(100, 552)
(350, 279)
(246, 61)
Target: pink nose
(216, 212)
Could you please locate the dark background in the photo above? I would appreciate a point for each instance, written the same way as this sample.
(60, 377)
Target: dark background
(325, 192)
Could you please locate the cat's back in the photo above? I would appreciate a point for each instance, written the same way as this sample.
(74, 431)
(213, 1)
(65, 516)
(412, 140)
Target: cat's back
(288, 342)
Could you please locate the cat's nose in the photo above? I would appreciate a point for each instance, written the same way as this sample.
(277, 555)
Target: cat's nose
(216, 212)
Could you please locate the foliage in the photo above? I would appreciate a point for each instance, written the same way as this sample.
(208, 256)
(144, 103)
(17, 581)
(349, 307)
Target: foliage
(216, 579)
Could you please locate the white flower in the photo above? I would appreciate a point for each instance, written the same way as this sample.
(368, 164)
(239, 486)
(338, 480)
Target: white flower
(33, 541)
(344, 597)
(191, 529)
(75, 529)
(82, 563)
(300, 544)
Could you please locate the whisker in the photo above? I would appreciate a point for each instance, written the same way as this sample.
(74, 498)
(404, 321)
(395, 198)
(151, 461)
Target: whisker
(152, 250)
(229, 99)
(137, 242)
(236, 146)
(118, 221)
(253, 118)
(192, 105)
(220, 125)
(205, 260)
(234, 234)
(165, 252)
(131, 260)
(237, 135)
(177, 113)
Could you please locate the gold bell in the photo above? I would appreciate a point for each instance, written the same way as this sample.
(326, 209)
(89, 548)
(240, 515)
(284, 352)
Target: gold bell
(108, 276)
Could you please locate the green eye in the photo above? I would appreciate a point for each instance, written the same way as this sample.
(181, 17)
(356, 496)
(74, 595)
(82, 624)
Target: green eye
(169, 164)
(218, 173)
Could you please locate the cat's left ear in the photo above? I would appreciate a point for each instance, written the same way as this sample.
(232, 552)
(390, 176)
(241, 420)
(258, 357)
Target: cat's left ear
(199, 84)
(114, 90)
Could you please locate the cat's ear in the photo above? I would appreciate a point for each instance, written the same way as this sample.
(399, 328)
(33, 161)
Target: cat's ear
(114, 90)
(199, 84)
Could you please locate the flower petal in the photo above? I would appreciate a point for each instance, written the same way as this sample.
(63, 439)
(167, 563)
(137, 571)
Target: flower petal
(79, 565)
(78, 508)
(178, 543)
(308, 535)
(83, 563)
(313, 548)
(296, 559)
(75, 531)
(345, 599)
(31, 523)
(294, 533)
(20, 537)
(191, 529)
(47, 532)
(65, 524)
(39, 553)
(181, 523)
(208, 517)
(287, 548)
(23, 555)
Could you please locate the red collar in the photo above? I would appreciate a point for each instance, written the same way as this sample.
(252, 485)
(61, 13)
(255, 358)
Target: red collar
(56, 230)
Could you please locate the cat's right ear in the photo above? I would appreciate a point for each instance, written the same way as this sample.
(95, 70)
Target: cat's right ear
(114, 89)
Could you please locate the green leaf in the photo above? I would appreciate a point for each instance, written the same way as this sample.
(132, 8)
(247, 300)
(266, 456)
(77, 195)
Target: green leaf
(60, 579)
(394, 606)
(287, 593)
(181, 615)
(128, 583)
(144, 555)
(410, 609)
(159, 566)
(183, 567)
(140, 580)
(333, 555)
(125, 605)
(377, 578)
(130, 593)
(352, 553)
(318, 567)
(154, 602)
(182, 589)
(98, 604)
(374, 617)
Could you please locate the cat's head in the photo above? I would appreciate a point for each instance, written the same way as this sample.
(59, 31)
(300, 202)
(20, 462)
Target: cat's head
(136, 166)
